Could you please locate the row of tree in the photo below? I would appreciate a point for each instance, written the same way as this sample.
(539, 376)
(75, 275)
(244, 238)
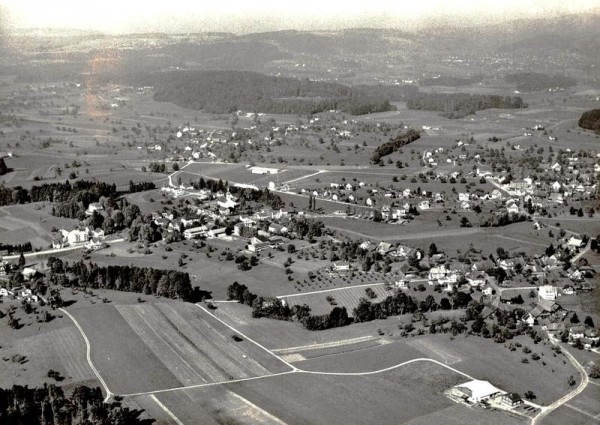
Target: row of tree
(394, 144)
(274, 308)
(165, 283)
(16, 248)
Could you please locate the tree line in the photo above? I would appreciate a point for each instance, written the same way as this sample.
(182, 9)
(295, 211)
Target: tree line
(85, 192)
(394, 144)
(224, 92)
(273, 308)
(458, 105)
(144, 280)
(18, 248)
(48, 405)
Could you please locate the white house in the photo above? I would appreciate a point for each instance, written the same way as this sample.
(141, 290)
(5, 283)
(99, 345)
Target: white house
(75, 236)
(547, 292)
(341, 267)
(424, 205)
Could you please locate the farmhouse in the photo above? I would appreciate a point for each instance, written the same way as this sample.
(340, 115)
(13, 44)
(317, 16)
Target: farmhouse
(476, 391)
(341, 267)
(511, 400)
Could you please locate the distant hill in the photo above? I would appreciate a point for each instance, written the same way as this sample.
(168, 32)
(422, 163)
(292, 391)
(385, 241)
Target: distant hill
(229, 91)
(590, 120)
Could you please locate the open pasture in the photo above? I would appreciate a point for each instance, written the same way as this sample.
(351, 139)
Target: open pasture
(344, 297)
(394, 397)
(61, 349)
(31, 223)
(485, 359)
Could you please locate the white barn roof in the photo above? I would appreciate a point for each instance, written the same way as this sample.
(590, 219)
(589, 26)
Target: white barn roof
(478, 390)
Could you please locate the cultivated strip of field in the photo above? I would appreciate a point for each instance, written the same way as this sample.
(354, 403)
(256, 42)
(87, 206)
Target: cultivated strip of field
(194, 348)
(124, 361)
(215, 405)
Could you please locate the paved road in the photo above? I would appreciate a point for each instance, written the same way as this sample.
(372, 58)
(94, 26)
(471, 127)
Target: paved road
(54, 251)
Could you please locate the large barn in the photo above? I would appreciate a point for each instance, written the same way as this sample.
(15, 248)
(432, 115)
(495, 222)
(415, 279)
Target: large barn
(476, 390)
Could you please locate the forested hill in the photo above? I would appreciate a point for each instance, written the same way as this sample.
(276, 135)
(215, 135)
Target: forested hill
(229, 91)
(590, 120)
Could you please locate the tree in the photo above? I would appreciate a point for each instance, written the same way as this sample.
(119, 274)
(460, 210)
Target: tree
(175, 166)
(574, 318)
(3, 168)
(432, 250)
(595, 371)
(21, 261)
(589, 321)
(529, 395)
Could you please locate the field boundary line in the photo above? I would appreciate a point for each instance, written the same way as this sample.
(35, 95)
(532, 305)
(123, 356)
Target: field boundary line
(375, 372)
(577, 409)
(260, 409)
(88, 350)
(166, 409)
(322, 291)
(294, 368)
(319, 345)
(208, 384)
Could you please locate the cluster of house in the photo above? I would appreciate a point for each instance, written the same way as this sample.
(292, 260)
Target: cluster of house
(262, 229)
(90, 238)
(19, 293)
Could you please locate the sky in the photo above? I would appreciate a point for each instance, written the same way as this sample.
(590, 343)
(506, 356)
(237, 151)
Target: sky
(238, 16)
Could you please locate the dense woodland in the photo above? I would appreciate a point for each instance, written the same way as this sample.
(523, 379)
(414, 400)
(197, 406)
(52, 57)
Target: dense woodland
(395, 144)
(458, 105)
(165, 283)
(69, 197)
(230, 91)
(590, 120)
(48, 405)
(534, 81)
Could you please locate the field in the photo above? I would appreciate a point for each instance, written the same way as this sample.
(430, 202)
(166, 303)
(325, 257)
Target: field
(30, 223)
(149, 347)
(410, 395)
(344, 297)
(60, 347)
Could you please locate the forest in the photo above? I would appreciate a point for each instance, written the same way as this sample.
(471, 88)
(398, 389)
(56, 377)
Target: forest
(395, 144)
(459, 105)
(223, 92)
(48, 405)
(144, 280)
(83, 191)
(590, 120)
(535, 81)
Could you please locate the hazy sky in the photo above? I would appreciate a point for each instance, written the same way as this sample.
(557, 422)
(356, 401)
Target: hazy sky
(119, 16)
